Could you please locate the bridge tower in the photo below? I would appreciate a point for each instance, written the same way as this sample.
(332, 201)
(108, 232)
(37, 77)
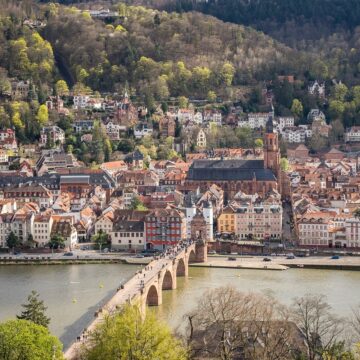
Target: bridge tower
(199, 233)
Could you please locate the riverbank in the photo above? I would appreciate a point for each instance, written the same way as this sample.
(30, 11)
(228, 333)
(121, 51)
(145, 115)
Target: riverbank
(281, 263)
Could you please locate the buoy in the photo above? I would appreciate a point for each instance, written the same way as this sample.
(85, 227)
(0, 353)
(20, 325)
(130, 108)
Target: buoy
(101, 286)
(74, 301)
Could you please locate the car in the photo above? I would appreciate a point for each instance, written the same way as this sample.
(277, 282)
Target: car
(139, 256)
(211, 252)
(273, 254)
(266, 259)
(68, 254)
(335, 257)
(232, 258)
(106, 250)
(290, 257)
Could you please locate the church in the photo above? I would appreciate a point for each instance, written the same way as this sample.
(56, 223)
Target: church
(248, 176)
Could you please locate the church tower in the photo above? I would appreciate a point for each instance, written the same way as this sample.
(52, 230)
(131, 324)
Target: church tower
(271, 148)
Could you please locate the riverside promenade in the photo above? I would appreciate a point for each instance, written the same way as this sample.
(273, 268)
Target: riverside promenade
(146, 286)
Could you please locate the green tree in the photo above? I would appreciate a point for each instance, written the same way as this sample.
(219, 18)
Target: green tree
(130, 335)
(183, 102)
(227, 73)
(297, 108)
(57, 241)
(25, 340)
(284, 164)
(356, 213)
(100, 239)
(12, 241)
(42, 115)
(259, 143)
(35, 310)
(137, 204)
(336, 108)
(126, 146)
(62, 88)
(211, 96)
(340, 92)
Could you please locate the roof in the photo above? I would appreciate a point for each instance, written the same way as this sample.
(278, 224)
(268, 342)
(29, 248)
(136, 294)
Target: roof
(227, 170)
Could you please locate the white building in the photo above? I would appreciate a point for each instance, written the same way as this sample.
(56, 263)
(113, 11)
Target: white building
(352, 134)
(81, 101)
(142, 130)
(207, 213)
(317, 88)
(283, 122)
(42, 229)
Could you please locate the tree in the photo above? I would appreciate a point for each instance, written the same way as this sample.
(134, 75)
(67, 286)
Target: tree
(62, 88)
(356, 213)
(130, 335)
(284, 164)
(340, 92)
(126, 146)
(137, 204)
(56, 242)
(220, 319)
(100, 239)
(337, 130)
(320, 327)
(336, 108)
(227, 73)
(183, 102)
(211, 96)
(297, 108)
(42, 115)
(25, 340)
(259, 143)
(34, 310)
(12, 241)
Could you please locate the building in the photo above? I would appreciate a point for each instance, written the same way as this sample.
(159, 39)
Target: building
(81, 101)
(83, 126)
(352, 134)
(128, 230)
(52, 135)
(300, 152)
(206, 212)
(249, 176)
(258, 217)
(105, 223)
(8, 140)
(167, 127)
(30, 193)
(65, 228)
(22, 225)
(201, 139)
(317, 88)
(285, 121)
(78, 187)
(5, 228)
(20, 90)
(53, 161)
(113, 130)
(226, 223)
(352, 230)
(42, 229)
(164, 227)
(142, 130)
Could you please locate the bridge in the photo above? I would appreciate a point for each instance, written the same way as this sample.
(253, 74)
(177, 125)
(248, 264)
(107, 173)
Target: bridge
(147, 285)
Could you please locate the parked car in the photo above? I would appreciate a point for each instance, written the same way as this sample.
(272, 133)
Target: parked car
(232, 258)
(290, 257)
(211, 252)
(68, 254)
(335, 257)
(139, 256)
(266, 259)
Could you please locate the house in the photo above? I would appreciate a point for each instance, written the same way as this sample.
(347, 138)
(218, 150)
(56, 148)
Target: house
(300, 152)
(319, 127)
(83, 126)
(22, 225)
(184, 115)
(296, 134)
(283, 122)
(30, 193)
(55, 103)
(317, 88)
(167, 127)
(8, 140)
(52, 135)
(334, 154)
(42, 229)
(126, 113)
(114, 167)
(81, 101)
(213, 116)
(129, 230)
(64, 227)
(142, 130)
(198, 118)
(135, 160)
(201, 139)
(105, 223)
(352, 134)
(164, 227)
(5, 228)
(315, 114)
(20, 89)
(113, 130)
(53, 161)
(257, 120)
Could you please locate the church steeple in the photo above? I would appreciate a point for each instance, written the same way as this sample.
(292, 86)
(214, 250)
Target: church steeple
(271, 147)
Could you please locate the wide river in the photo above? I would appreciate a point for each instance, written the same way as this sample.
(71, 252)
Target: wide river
(73, 292)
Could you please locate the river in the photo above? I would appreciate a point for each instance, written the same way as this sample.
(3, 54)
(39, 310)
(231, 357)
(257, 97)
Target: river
(73, 292)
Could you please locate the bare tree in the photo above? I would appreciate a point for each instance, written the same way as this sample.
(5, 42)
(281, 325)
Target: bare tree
(228, 324)
(322, 330)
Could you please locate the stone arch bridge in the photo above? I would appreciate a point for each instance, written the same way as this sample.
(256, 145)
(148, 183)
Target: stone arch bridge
(146, 286)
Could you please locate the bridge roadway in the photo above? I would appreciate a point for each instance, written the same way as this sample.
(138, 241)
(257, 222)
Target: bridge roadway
(146, 286)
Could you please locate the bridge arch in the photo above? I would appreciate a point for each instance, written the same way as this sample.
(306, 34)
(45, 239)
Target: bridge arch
(152, 297)
(181, 267)
(168, 281)
(192, 256)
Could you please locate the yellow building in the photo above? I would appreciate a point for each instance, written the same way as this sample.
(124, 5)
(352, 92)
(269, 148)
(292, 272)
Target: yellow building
(226, 221)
